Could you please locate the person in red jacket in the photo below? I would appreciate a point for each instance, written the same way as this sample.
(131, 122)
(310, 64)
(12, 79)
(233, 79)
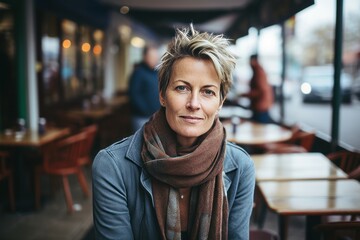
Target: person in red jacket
(260, 94)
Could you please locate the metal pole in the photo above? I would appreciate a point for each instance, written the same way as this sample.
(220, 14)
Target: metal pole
(336, 100)
(32, 86)
(283, 73)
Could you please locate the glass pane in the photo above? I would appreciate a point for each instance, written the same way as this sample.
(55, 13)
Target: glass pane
(85, 75)
(71, 83)
(8, 90)
(98, 37)
(50, 44)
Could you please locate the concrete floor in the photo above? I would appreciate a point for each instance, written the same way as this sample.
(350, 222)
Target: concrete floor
(52, 221)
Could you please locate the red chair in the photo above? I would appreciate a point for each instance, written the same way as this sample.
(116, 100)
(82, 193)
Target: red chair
(262, 234)
(90, 131)
(301, 141)
(346, 160)
(5, 172)
(349, 230)
(355, 174)
(349, 162)
(61, 159)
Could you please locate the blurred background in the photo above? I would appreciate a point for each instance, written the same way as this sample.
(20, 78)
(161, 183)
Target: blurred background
(69, 62)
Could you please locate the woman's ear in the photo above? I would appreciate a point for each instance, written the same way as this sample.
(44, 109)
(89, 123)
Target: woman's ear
(220, 106)
(162, 99)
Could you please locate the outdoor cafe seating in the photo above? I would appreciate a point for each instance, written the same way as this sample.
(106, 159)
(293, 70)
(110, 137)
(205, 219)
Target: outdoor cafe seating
(86, 155)
(61, 159)
(300, 141)
(293, 179)
(339, 230)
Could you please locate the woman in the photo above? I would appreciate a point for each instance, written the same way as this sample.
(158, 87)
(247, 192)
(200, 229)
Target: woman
(177, 177)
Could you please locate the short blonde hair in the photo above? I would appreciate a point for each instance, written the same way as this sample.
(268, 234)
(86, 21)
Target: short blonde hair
(191, 43)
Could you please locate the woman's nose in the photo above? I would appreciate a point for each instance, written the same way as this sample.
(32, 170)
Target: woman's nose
(193, 102)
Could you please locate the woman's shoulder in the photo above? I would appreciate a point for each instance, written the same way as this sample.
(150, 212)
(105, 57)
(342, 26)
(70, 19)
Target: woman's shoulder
(236, 157)
(113, 154)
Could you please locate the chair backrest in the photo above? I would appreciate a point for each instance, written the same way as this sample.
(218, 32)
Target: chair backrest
(355, 174)
(346, 160)
(340, 230)
(66, 150)
(303, 138)
(91, 132)
(285, 148)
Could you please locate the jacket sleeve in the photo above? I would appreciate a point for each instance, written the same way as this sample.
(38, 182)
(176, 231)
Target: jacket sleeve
(110, 211)
(240, 213)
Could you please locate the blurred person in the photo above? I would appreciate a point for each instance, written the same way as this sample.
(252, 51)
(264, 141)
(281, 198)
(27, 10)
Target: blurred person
(177, 177)
(261, 94)
(143, 89)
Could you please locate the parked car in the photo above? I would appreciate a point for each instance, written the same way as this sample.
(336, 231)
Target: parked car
(356, 87)
(318, 81)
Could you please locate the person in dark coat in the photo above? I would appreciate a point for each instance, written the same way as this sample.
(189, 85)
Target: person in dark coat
(143, 89)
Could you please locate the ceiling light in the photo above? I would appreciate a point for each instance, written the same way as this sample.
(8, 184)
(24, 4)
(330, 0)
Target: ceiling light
(138, 42)
(124, 9)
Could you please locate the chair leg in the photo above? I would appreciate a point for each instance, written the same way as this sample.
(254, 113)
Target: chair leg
(54, 184)
(68, 197)
(11, 192)
(83, 184)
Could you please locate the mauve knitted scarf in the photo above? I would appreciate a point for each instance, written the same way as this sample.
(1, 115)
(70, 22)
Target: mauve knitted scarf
(199, 168)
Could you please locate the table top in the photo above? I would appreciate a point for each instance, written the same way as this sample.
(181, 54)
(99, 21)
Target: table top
(251, 133)
(100, 111)
(295, 166)
(31, 138)
(92, 113)
(318, 197)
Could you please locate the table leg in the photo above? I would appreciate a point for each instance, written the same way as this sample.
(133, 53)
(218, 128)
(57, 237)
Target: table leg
(23, 179)
(311, 222)
(283, 227)
(261, 215)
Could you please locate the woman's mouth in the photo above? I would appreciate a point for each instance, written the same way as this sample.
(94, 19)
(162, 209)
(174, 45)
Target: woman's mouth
(191, 119)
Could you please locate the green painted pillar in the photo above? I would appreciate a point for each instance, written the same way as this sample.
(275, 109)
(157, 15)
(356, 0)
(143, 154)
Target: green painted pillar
(28, 107)
(20, 59)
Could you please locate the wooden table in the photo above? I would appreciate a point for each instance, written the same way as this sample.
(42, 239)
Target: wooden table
(312, 198)
(17, 143)
(295, 166)
(94, 114)
(31, 138)
(251, 133)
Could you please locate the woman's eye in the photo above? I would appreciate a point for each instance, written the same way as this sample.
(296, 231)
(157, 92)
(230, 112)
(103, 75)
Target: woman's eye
(180, 88)
(208, 92)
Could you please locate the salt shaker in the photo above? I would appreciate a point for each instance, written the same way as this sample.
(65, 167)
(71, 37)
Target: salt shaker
(42, 125)
(21, 125)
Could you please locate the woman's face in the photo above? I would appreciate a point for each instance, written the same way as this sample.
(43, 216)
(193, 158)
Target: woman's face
(192, 99)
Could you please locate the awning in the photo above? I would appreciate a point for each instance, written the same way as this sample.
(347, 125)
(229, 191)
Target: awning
(233, 18)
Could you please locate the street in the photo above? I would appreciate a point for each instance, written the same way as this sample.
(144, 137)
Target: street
(318, 117)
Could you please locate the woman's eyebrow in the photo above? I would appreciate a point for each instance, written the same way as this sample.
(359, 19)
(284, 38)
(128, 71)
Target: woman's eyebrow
(210, 85)
(205, 86)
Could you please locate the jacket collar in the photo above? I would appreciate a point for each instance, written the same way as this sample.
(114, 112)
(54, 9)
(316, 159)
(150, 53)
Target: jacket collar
(134, 151)
(134, 154)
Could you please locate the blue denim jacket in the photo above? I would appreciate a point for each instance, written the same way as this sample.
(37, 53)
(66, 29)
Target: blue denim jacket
(123, 205)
